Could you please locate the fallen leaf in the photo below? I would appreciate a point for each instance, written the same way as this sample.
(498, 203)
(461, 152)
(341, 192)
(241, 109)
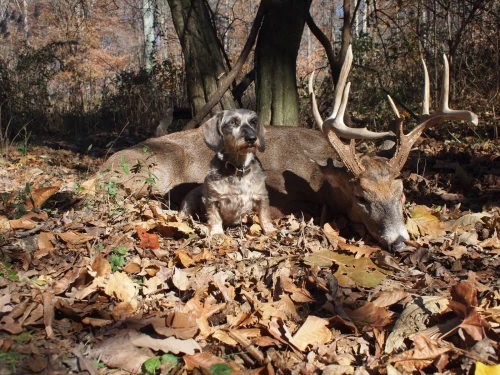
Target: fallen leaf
(168, 345)
(120, 286)
(101, 266)
(313, 331)
(148, 240)
(482, 369)
(371, 315)
(424, 222)
(45, 244)
(180, 279)
(40, 196)
(200, 360)
(75, 238)
(119, 352)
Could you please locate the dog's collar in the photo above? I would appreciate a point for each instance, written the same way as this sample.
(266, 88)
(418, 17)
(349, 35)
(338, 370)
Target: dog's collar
(238, 171)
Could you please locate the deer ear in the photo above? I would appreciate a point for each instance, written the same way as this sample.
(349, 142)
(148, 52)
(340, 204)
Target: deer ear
(260, 134)
(212, 134)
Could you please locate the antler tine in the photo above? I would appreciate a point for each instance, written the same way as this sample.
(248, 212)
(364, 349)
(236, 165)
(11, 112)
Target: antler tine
(336, 120)
(427, 120)
(316, 114)
(347, 153)
(427, 91)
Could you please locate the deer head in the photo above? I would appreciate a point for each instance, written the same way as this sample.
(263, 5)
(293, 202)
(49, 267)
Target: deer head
(370, 185)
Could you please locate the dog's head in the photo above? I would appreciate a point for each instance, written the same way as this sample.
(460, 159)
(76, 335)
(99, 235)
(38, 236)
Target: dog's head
(237, 131)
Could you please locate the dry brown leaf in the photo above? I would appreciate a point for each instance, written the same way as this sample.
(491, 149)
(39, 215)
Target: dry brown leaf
(424, 222)
(332, 235)
(224, 337)
(255, 230)
(101, 266)
(119, 352)
(313, 331)
(120, 286)
(297, 294)
(151, 285)
(178, 324)
(168, 345)
(491, 243)
(467, 220)
(180, 279)
(148, 240)
(184, 258)
(457, 252)
(45, 244)
(22, 224)
(95, 322)
(10, 325)
(132, 267)
(87, 188)
(201, 360)
(48, 312)
(426, 349)
(389, 298)
(371, 315)
(75, 238)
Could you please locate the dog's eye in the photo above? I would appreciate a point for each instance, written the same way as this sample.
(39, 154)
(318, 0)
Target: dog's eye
(253, 121)
(234, 122)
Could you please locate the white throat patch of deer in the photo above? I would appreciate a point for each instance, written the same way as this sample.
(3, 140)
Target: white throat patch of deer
(365, 188)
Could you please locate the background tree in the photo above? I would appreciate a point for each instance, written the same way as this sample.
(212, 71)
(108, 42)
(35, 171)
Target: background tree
(276, 61)
(203, 59)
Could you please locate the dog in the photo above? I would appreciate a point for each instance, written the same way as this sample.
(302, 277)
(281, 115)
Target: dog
(235, 183)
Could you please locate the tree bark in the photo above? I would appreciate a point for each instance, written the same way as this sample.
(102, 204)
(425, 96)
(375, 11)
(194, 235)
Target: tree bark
(149, 33)
(275, 61)
(203, 59)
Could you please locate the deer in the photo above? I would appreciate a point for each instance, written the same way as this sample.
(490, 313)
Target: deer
(305, 169)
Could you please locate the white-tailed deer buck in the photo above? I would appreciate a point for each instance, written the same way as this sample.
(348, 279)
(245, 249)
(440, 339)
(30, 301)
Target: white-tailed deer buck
(365, 188)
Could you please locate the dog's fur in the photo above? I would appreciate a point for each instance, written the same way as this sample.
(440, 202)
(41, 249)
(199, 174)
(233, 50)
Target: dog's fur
(235, 183)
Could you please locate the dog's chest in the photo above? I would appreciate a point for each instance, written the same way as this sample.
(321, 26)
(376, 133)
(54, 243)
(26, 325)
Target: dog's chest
(238, 196)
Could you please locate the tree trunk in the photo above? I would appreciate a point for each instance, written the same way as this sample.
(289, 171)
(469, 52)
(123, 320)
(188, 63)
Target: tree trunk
(275, 61)
(149, 33)
(203, 59)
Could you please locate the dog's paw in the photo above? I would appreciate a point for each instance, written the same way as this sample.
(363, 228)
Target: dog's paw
(216, 230)
(268, 228)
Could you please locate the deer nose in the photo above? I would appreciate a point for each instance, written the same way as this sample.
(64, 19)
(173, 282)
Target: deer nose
(398, 244)
(250, 138)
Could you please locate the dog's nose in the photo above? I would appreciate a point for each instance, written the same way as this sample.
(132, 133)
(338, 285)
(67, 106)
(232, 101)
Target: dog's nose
(250, 138)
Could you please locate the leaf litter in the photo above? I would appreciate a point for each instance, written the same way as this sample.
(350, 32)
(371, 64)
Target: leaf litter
(91, 280)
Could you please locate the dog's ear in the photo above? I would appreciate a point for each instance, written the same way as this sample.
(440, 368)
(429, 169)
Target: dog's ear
(212, 132)
(260, 135)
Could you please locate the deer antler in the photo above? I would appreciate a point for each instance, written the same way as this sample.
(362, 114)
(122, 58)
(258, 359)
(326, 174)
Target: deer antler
(335, 122)
(427, 120)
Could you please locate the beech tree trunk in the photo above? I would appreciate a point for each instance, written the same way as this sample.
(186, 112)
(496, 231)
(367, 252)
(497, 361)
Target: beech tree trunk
(275, 61)
(203, 59)
(149, 32)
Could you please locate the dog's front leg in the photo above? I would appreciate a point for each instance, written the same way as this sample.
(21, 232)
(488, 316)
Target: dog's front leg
(265, 217)
(214, 219)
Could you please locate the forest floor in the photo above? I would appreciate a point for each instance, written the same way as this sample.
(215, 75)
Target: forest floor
(93, 281)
